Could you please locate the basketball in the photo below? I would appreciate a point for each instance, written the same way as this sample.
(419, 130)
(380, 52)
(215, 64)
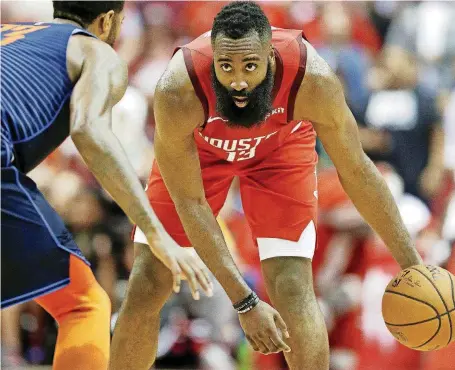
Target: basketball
(418, 307)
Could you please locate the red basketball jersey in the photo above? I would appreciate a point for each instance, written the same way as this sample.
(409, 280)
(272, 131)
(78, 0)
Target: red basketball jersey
(236, 144)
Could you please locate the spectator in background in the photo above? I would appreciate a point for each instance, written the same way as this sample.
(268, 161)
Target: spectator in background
(382, 13)
(26, 11)
(362, 33)
(424, 33)
(449, 129)
(160, 42)
(129, 124)
(347, 58)
(402, 126)
(131, 43)
(448, 226)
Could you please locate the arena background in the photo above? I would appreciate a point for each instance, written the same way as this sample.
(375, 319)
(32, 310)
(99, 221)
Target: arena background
(397, 63)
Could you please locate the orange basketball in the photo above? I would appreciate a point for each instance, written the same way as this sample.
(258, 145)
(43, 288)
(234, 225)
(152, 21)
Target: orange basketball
(418, 307)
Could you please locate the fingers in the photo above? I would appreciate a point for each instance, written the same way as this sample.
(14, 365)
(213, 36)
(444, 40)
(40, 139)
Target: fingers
(278, 341)
(281, 324)
(203, 279)
(176, 276)
(263, 347)
(252, 343)
(191, 277)
(258, 345)
(270, 341)
(269, 345)
(197, 275)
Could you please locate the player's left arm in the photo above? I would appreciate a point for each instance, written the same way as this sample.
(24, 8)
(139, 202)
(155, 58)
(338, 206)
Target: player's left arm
(321, 100)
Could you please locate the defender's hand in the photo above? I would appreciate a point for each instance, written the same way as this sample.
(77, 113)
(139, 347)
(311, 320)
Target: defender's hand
(261, 326)
(183, 264)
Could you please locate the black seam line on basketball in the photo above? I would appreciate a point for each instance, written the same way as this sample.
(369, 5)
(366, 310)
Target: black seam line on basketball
(414, 299)
(426, 303)
(442, 300)
(434, 335)
(420, 322)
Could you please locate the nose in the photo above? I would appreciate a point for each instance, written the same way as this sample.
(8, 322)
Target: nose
(239, 85)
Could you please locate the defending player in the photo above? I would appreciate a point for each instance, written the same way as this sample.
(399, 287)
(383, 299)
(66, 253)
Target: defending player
(247, 100)
(60, 79)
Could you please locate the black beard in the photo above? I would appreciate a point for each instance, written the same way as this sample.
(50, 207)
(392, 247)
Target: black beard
(260, 102)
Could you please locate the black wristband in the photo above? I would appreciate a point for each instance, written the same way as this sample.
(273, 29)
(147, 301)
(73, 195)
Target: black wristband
(250, 307)
(247, 304)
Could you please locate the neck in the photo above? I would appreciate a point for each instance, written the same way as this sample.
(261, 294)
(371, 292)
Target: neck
(68, 21)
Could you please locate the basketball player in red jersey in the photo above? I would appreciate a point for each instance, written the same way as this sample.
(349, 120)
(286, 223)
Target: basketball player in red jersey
(247, 100)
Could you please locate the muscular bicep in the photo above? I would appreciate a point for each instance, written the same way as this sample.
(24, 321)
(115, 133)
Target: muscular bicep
(178, 112)
(101, 84)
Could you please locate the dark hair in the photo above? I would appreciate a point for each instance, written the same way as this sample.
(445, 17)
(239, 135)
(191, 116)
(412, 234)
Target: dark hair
(85, 12)
(239, 18)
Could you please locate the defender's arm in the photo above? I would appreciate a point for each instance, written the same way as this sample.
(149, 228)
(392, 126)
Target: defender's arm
(101, 83)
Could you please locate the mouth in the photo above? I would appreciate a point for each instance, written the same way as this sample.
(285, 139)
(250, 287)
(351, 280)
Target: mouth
(240, 101)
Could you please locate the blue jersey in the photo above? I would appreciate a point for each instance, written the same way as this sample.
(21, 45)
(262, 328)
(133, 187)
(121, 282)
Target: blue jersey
(35, 91)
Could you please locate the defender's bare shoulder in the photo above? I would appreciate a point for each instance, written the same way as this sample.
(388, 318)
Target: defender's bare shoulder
(97, 60)
(100, 77)
(320, 98)
(176, 105)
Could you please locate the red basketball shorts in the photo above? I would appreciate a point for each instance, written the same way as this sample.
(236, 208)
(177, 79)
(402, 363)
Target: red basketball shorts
(279, 197)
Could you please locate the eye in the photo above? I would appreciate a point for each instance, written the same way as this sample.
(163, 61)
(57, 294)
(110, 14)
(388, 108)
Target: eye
(250, 67)
(226, 67)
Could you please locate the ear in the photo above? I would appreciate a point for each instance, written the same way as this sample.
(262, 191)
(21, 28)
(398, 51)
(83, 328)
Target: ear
(106, 22)
(272, 52)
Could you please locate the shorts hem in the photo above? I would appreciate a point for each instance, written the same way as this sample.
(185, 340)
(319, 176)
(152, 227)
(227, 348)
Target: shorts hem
(139, 237)
(35, 294)
(277, 247)
(53, 236)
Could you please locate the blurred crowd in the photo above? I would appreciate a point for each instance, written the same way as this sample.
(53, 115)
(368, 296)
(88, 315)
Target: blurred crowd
(397, 63)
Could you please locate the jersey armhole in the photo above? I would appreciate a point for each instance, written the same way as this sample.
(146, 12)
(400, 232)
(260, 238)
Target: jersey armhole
(195, 81)
(298, 77)
(75, 32)
(78, 31)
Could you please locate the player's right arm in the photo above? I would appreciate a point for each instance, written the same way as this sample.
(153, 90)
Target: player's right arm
(178, 112)
(101, 82)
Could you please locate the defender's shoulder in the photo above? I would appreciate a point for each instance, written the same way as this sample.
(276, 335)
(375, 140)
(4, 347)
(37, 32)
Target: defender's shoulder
(88, 51)
(96, 64)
